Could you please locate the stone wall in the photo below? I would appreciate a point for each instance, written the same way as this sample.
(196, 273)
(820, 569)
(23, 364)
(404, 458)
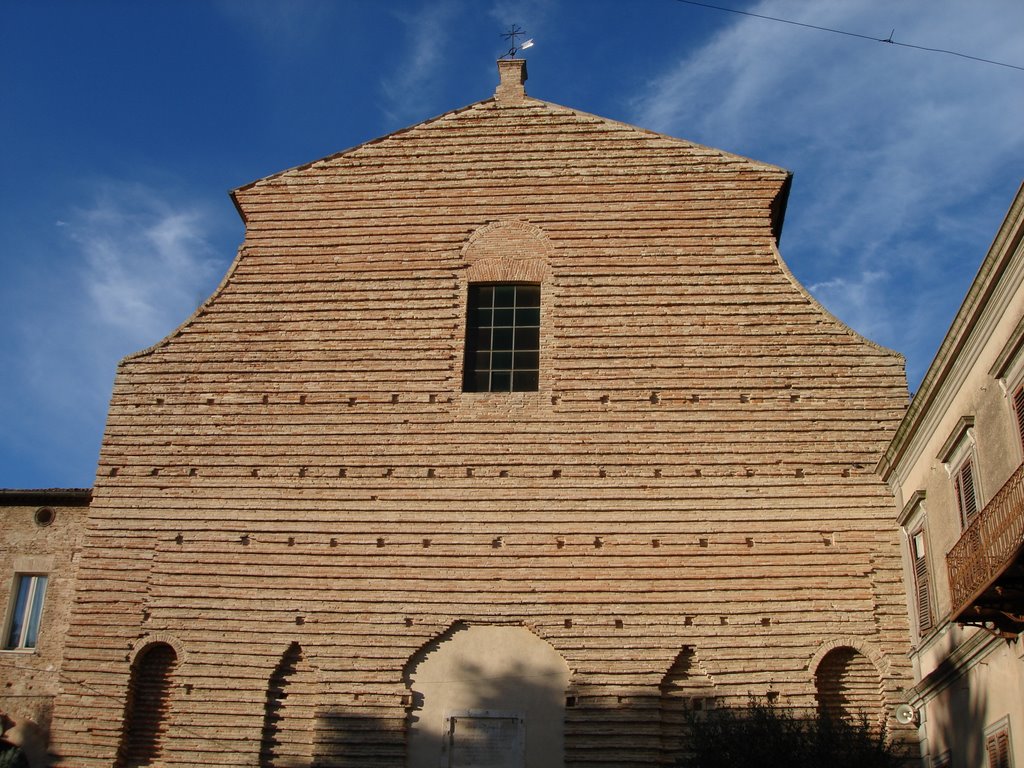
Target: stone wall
(42, 533)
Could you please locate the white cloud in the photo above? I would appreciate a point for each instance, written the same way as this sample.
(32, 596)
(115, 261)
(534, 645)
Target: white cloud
(135, 264)
(530, 15)
(889, 145)
(857, 300)
(147, 264)
(411, 89)
(279, 24)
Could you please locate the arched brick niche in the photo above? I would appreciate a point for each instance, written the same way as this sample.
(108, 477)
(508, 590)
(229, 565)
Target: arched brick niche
(149, 703)
(487, 689)
(848, 685)
(289, 712)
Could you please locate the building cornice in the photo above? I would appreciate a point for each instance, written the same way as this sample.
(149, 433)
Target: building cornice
(981, 309)
(952, 668)
(45, 497)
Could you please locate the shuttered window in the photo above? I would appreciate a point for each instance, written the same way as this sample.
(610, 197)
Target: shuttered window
(966, 495)
(919, 553)
(1018, 408)
(997, 745)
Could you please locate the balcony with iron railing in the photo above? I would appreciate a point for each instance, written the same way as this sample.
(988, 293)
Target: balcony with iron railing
(986, 573)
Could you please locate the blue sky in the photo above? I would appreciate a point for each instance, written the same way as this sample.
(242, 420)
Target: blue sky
(123, 125)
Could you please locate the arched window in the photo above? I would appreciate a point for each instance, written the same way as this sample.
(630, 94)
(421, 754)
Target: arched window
(289, 714)
(849, 686)
(148, 706)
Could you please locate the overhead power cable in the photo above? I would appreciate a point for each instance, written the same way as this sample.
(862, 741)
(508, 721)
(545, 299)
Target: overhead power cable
(888, 39)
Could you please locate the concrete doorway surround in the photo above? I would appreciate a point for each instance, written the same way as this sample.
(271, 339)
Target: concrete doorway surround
(487, 696)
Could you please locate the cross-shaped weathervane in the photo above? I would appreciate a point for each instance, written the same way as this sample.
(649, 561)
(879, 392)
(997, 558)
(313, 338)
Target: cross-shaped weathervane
(514, 32)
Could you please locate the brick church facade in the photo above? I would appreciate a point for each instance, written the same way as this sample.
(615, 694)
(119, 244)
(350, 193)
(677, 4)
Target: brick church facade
(507, 439)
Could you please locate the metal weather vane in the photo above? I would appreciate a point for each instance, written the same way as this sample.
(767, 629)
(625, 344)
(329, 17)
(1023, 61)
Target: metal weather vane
(514, 32)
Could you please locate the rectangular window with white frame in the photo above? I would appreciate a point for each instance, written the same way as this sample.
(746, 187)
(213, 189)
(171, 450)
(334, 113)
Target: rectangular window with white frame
(913, 521)
(26, 611)
(965, 488)
(1018, 410)
(1008, 370)
(922, 583)
(997, 745)
(959, 457)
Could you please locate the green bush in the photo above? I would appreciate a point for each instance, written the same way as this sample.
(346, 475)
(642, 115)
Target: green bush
(766, 736)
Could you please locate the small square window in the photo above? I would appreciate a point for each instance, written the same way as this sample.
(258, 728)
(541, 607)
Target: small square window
(502, 338)
(29, 591)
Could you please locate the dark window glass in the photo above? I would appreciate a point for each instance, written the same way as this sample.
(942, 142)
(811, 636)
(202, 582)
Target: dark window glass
(526, 361)
(505, 295)
(524, 381)
(501, 360)
(28, 610)
(502, 338)
(528, 316)
(527, 338)
(528, 296)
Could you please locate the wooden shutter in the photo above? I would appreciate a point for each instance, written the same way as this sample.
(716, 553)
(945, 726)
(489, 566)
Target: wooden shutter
(918, 548)
(1018, 407)
(998, 747)
(966, 498)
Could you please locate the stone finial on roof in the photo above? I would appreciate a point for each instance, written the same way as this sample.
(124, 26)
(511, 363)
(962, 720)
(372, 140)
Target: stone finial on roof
(512, 73)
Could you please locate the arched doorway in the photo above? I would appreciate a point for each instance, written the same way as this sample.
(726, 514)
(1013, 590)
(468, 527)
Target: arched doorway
(487, 695)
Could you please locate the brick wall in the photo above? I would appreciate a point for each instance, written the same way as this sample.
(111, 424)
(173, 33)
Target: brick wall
(298, 463)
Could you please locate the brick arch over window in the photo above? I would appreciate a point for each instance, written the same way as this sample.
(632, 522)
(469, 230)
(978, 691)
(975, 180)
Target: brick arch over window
(289, 713)
(848, 685)
(508, 251)
(148, 706)
(506, 254)
(685, 687)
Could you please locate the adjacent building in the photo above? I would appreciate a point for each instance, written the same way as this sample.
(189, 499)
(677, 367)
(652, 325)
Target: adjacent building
(39, 550)
(955, 466)
(508, 439)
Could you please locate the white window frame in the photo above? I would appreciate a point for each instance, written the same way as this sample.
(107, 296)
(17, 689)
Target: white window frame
(1008, 370)
(958, 454)
(924, 605)
(914, 522)
(1002, 726)
(35, 599)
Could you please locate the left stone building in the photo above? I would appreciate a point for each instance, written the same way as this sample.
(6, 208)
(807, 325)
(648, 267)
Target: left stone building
(507, 440)
(39, 550)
